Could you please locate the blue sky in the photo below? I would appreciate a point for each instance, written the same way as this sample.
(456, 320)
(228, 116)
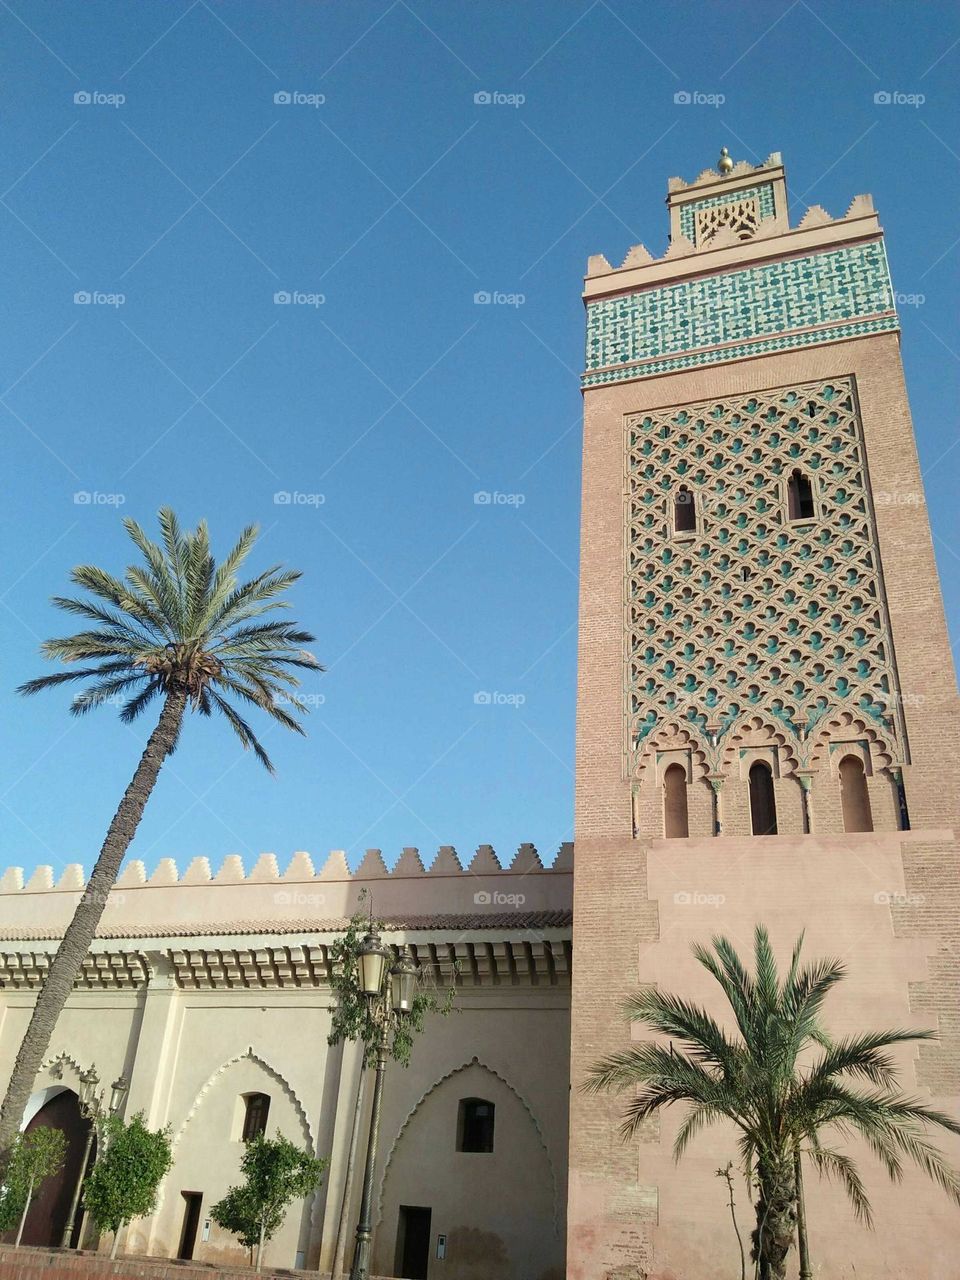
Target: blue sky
(397, 398)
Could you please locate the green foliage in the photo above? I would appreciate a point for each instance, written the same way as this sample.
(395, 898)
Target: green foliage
(181, 622)
(755, 1080)
(275, 1172)
(37, 1155)
(353, 1018)
(124, 1181)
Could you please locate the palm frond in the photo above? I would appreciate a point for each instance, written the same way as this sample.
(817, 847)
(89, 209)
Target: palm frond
(671, 1016)
(860, 1055)
(130, 710)
(64, 677)
(242, 730)
(105, 691)
(178, 621)
(834, 1164)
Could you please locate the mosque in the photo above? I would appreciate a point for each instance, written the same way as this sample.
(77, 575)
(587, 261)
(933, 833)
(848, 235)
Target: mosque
(767, 730)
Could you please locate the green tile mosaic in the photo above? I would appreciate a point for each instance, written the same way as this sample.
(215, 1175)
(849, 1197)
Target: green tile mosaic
(791, 342)
(754, 309)
(752, 612)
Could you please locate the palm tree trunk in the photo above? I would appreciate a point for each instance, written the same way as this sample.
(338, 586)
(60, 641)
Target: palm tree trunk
(82, 928)
(776, 1216)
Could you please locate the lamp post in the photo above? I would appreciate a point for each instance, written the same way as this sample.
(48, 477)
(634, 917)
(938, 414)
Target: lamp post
(389, 994)
(92, 1108)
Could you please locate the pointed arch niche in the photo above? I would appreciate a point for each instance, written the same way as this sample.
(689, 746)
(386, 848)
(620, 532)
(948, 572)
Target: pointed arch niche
(501, 1207)
(207, 1149)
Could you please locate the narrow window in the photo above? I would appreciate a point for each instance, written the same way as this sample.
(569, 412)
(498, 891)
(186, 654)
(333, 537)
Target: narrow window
(257, 1108)
(675, 825)
(475, 1125)
(763, 806)
(684, 512)
(799, 497)
(854, 797)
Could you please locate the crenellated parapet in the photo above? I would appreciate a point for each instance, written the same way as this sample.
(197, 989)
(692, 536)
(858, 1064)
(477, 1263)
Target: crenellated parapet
(443, 892)
(783, 287)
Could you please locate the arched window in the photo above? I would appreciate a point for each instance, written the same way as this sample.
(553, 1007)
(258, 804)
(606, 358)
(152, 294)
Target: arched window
(684, 511)
(475, 1125)
(854, 797)
(256, 1110)
(799, 497)
(675, 825)
(763, 806)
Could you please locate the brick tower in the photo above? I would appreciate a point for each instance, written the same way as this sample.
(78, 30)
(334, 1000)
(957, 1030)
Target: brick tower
(767, 715)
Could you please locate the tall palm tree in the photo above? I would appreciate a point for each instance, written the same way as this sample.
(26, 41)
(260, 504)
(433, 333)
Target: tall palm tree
(181, 630)
(755, 1080)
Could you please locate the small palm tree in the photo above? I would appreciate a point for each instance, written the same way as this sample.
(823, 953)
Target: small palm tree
(182, 630)
(755, 1081)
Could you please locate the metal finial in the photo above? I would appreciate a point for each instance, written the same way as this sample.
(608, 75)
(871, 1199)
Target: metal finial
(724, 164)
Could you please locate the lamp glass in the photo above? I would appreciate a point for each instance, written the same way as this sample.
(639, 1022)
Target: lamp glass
(118, 1091)
(372, 962)
(88, 1082)
(403, 983)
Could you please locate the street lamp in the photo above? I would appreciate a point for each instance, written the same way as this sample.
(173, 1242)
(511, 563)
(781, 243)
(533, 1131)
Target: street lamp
(91, 1108)
(390, 995)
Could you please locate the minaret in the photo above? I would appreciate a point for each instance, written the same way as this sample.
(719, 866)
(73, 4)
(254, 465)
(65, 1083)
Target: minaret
(767, 714)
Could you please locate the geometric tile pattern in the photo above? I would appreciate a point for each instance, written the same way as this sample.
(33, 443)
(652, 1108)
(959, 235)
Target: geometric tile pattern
(763, 195)
(700, 321)
(741, 351)
(752, 613)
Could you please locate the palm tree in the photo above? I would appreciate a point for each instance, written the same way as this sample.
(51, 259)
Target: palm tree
(755, 1080)
(181, 629)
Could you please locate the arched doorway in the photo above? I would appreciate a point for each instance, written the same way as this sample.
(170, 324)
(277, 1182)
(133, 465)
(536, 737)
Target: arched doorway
(50, 1206)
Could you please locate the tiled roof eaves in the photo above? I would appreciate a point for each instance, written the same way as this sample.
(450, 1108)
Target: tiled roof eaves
(505, 921)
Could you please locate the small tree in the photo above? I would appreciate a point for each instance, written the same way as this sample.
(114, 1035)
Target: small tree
(37, 1155)
(124, 1182)
(275, 1172)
